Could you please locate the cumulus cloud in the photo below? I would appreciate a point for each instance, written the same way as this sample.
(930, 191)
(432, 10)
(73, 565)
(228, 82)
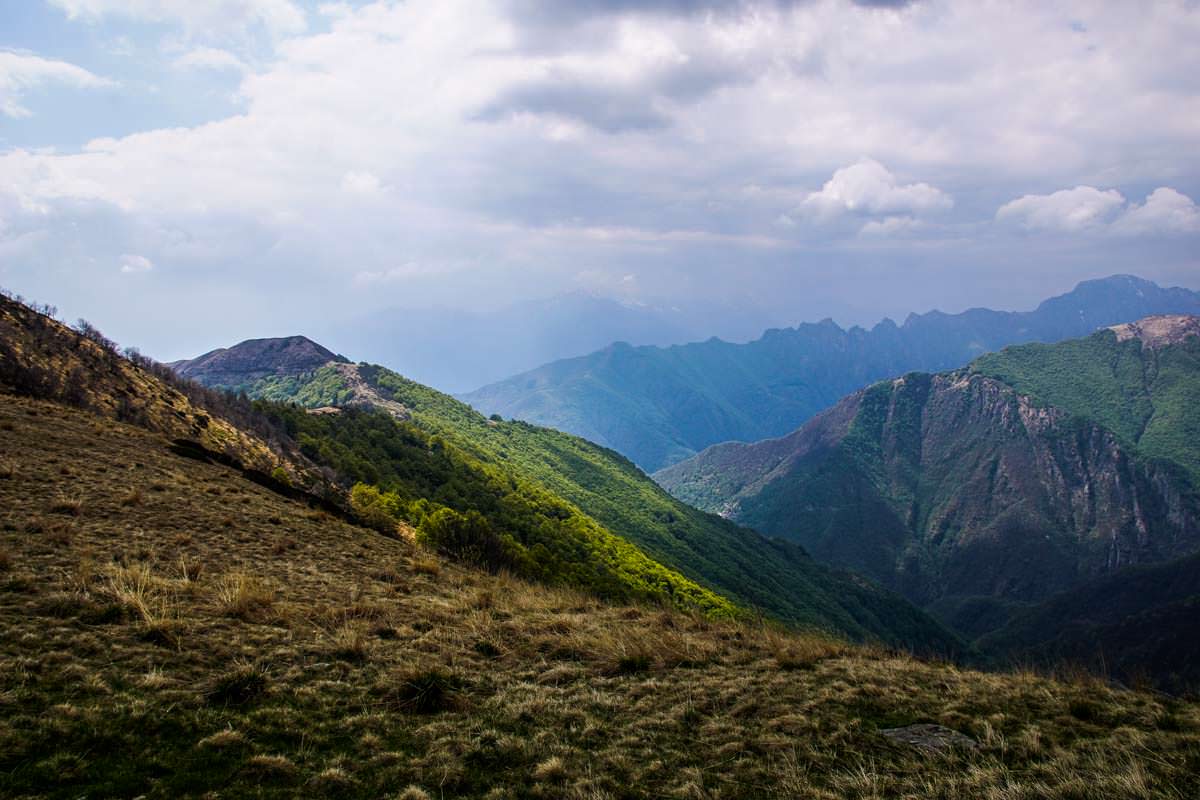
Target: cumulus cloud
(277, 17)
(1086, 208)
(1164, 211)
(867, 188)
(23, 72)
(131, 263)
(209, 58)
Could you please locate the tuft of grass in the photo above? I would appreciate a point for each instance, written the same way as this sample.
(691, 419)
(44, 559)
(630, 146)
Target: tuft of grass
(552, 770)
(804, 651)
(190, 571)
(413, 793)
(222, 740)
(66, 504)
(6, 560)
(241, 685)
(350, 643)
(270, 768)
(427, 566)
(133, 497)
(244, 597)
(8, 469)
(426, 691)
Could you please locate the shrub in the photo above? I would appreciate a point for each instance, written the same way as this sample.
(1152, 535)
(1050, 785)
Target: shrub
(375, 509)
(280, 476)
(467, 537)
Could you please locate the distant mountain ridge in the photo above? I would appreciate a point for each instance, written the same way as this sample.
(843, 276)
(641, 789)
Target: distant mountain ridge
(659, 405)
(982, 492)
(456, 350)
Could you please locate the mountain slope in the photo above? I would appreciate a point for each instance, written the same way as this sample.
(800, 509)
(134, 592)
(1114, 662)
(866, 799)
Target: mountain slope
(973, 498)
(660, 405)
(608, 491)
(1136, 624)
(190, 633)
(1142, 386)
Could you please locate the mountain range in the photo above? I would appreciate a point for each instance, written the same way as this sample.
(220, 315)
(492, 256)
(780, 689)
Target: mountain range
(546, 488)
(981, 492)
(457, 350)
(660, 405)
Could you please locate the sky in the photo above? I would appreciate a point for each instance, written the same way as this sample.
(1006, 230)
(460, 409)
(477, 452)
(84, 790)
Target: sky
(187, 174)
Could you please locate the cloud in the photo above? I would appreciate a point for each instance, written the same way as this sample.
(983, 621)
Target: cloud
(209, 58)
(1086, 208)
(22, 72)
(1164, 211)
(134, 263)
(530, 146)
(361, 182)
(869, 188)
(277, 17)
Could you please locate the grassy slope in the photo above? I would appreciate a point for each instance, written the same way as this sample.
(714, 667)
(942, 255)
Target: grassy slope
(1148, 397)
(778, 578)
(189, 632)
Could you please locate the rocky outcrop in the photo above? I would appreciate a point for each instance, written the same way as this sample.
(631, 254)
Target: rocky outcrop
(1159, 331)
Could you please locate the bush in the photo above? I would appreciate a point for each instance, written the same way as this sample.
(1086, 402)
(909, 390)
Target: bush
(467, 537)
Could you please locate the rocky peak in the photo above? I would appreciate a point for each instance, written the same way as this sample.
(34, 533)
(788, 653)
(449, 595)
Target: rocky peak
(254, 359)
(1159, 331)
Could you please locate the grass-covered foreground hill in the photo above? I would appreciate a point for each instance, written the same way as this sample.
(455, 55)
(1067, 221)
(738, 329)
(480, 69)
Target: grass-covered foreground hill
(981, 491)
(544, 485)
(169, 628)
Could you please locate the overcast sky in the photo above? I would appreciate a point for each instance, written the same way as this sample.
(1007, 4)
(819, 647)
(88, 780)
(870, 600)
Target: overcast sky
(186, 174)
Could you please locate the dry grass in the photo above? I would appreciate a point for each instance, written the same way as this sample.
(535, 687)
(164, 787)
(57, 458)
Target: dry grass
(244, 596)
(339, 668)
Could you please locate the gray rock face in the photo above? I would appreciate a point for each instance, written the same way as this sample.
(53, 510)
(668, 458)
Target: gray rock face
(933, 738)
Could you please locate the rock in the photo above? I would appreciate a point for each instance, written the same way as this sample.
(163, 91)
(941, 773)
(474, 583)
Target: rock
(935, 738)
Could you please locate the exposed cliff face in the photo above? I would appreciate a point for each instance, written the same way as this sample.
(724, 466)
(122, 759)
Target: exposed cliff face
(1159, 331)
(255, 359)
(953, 486)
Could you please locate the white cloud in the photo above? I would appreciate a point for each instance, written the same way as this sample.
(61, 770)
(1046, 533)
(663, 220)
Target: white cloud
(1065, 210)
(209, 58)
(361, 182)
(278, 17)
(22, 72)
(868, 188)
(1164, 211)
(131, 263)
(1086, 208)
